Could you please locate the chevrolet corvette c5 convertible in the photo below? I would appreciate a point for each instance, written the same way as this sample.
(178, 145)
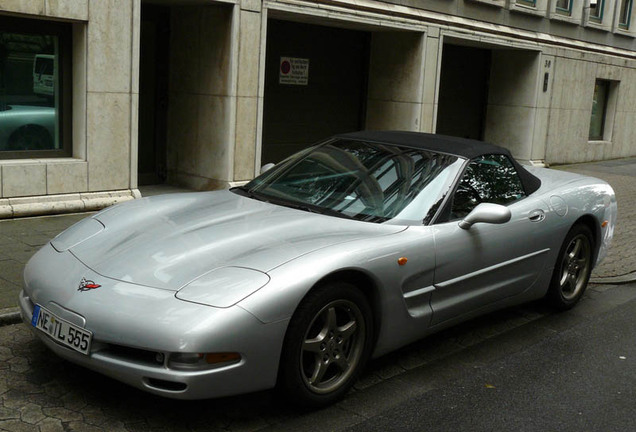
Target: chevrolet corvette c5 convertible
(347, 250)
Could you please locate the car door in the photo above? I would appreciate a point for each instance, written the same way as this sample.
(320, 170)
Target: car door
(486, 263)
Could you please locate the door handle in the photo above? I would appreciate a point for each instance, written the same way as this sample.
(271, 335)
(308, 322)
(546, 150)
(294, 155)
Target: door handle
(536, 215)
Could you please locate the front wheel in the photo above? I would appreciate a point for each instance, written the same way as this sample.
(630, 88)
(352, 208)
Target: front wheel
(327, 343)
(572, 269)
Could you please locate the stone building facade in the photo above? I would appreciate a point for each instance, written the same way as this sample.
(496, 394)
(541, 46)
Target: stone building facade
(98, 97)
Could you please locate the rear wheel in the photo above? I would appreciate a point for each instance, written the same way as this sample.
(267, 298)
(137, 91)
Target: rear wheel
(572, 269)
(327, 343)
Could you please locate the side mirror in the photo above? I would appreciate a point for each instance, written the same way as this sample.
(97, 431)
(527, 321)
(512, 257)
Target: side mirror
(267, 167)
(487, 213)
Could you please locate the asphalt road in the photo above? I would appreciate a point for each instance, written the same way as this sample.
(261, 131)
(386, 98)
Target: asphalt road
(583, 379)
(526, 368)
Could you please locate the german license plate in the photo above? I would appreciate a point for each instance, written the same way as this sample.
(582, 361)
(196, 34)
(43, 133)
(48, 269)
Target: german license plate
(61, 330)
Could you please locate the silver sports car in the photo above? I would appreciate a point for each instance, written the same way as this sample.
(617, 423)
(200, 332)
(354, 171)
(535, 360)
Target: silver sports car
(349, 249)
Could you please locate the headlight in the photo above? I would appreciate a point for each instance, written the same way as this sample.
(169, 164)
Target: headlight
(76, 234)
(223, 287)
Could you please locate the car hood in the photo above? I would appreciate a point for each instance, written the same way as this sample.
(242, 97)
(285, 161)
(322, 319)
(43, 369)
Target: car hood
(168, 241)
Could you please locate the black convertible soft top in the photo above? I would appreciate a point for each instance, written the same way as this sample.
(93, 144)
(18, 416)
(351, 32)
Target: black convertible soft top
(463, 147)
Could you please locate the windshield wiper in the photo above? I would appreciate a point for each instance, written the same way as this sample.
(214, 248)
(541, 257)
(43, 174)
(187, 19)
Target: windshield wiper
(314, 209)
(310, 208)
(243, 191)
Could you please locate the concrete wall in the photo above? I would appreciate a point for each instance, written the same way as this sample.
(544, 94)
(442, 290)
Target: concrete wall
(575, 75)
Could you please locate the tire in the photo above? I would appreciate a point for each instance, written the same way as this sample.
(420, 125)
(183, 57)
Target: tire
(572, 269)
(327, 343)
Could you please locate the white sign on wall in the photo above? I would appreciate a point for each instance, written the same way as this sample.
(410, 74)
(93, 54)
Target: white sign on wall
(293, 71)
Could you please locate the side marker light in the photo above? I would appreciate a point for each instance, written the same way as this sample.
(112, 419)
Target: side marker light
(604, 224)
(402, 260)
(222, 357)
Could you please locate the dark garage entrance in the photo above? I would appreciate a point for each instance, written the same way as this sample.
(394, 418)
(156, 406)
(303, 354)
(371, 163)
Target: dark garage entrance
(463, 91)
(153, 93)
(333, 98)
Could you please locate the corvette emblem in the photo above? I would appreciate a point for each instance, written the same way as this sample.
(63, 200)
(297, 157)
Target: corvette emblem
(87, 285)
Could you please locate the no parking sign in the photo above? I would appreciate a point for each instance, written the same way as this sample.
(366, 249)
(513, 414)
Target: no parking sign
(293, 71)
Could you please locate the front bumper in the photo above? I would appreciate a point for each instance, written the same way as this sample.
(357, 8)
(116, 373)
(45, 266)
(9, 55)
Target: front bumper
(131, 325)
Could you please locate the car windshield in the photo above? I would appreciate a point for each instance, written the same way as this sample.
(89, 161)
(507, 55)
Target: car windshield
(360, 180)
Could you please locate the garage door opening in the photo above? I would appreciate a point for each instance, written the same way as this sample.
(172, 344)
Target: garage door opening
(315, 85)
(463, 91)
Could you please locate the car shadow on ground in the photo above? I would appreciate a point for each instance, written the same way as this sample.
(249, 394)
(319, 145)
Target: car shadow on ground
(81, 398)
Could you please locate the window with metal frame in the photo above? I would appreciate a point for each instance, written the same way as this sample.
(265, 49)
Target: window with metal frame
(564, 7)
(596, 10)
(490, 179)
(532, 3)
(35, 88)
(624, 16)
(599, 109)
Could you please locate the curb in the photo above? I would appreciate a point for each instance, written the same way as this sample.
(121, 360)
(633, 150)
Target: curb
(63, 203)
(615, 280)
(11, 316)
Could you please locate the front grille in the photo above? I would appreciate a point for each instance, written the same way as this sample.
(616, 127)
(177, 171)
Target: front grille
(132, 355)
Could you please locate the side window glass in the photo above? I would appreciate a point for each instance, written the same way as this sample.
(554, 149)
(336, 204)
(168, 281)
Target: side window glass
(488, 178)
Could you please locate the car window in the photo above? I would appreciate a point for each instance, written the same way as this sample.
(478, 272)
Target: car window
(490, 179)
(361, 180)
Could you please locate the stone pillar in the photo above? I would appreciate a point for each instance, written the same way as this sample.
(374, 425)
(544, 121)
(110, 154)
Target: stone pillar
(542, 118)
(431, 69)
(248, 96)
(396, 77)
(109, 70)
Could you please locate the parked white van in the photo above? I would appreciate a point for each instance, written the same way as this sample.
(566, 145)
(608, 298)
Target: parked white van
(44, 75)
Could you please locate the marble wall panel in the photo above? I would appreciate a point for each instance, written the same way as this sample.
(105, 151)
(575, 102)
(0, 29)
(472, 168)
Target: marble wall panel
(393, 115)
(23, 179)
(573, 84)
(249, 54)
(568, 136)
(108, 143)
(66, 177)
(213, 147)
(215, 44)
(624, 135)
(511, 127)
(109, 40)
(70, 9)
(396, 66)
(431, 67)
(513, 78)
(245, 149)
(35, 7)
(427, 123)
(79, 91)
(540, 133)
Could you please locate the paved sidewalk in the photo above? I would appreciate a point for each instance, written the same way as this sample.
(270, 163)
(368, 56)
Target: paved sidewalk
(621, 174)
(21, 238)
